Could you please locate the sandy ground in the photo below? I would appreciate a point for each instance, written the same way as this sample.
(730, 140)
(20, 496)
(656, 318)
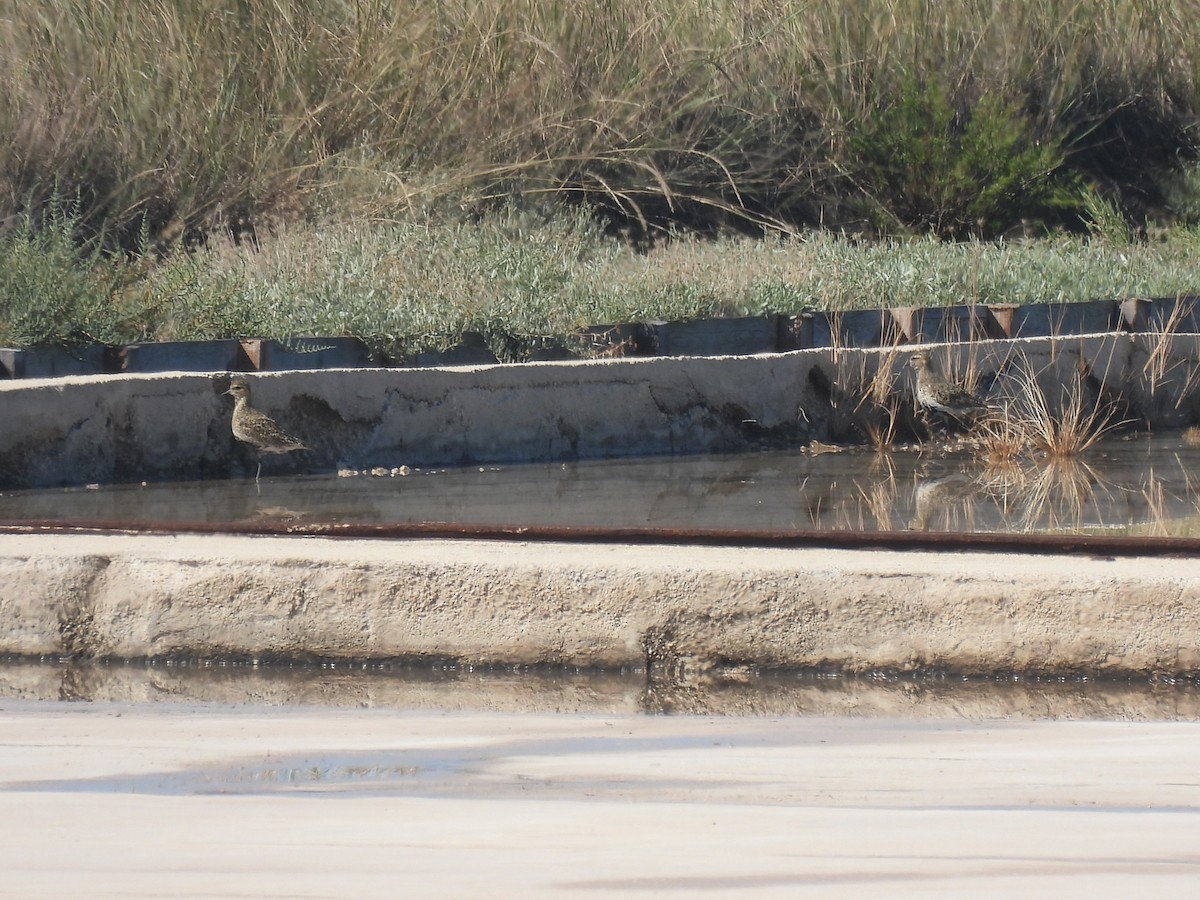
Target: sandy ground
(106, 799)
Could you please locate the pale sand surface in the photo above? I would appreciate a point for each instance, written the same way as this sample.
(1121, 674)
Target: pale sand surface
(114, 799)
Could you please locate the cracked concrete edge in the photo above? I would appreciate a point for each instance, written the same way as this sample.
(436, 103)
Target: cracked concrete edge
(122, 428)
(673, 609)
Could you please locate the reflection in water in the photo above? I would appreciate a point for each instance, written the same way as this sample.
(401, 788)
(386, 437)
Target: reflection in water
(1066, 495)
(1138, 486)
(737, 691)
(368, 772)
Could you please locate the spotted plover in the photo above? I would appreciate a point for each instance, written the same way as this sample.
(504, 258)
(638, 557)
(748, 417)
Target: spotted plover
(257, 429)
(937, 393)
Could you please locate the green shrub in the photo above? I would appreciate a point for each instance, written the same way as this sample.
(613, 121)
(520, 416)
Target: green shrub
(526, 280)
(54, 292)
(926, 163)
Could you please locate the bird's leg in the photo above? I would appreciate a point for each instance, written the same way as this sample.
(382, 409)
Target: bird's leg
(926, 419)
(258, 471)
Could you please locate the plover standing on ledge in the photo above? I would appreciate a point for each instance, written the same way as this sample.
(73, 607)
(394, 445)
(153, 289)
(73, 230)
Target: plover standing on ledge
(256, 429)
(936, 392)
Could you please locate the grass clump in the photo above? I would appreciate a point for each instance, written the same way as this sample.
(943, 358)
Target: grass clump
(1055, 415)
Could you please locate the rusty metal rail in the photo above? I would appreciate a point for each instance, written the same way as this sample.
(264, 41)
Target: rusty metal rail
(1087, 545)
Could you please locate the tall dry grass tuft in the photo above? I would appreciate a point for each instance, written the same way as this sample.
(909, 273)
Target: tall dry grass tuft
(881, 407)
(1060, 423)
(1166, 371)
(864, 400)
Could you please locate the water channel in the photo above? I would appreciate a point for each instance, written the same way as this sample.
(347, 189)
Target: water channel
(1142, 486)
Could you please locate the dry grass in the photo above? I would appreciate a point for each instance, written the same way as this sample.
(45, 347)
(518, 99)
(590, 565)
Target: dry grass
(865, 400)
(881, 411)
(1166, 371)
(338, 167)
(1049, 414)
(180, 115)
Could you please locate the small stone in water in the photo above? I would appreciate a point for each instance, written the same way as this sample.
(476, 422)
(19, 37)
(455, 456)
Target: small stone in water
(380, 470)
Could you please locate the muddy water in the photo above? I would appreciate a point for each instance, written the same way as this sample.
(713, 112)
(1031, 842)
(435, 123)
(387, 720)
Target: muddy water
(1141, 486)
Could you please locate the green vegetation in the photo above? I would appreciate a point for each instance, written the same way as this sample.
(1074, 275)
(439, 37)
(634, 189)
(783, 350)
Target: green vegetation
(403, 170)
(516, 277)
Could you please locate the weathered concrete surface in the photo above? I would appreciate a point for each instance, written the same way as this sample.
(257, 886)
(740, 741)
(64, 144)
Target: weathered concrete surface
(589, 606)
(144, 427)
(118, 428)
(606, 605)
(128, 801)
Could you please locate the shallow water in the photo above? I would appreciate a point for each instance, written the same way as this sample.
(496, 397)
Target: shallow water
(734, 691)
(1143, 486)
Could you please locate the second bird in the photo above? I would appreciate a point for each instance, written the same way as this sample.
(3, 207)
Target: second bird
(258, 430)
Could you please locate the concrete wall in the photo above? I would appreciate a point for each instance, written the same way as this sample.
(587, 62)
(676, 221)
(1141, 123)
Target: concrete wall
(116, 428)
(670, 608)
(675, 609)
(145, 427)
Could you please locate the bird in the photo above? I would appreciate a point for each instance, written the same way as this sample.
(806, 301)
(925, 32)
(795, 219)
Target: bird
(937, 393)
(257, 429)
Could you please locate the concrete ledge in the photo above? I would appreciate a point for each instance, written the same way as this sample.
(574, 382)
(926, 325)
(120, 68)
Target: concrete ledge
(121, 428)
(672, 608)
(176, 426)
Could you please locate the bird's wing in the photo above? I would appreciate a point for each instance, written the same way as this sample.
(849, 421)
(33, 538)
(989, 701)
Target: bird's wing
(263, 426)
(962, 397)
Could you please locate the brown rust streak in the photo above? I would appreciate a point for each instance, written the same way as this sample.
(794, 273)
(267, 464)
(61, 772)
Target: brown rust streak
(1088, 545)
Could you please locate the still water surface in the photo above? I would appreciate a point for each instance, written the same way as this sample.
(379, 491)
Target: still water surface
(736, 691)
(1142, 486)
(1138, 486)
